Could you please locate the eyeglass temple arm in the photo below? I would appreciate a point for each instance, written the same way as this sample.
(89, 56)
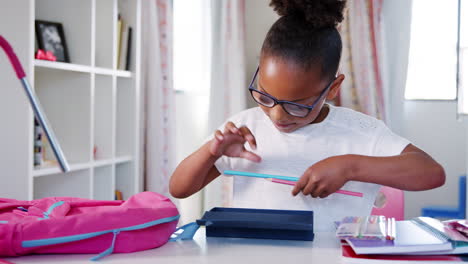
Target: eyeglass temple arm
(255, 75)
(39, 113)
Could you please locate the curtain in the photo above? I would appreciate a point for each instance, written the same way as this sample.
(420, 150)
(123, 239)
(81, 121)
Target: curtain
(158, 95)
(228, 91)
(362, 59)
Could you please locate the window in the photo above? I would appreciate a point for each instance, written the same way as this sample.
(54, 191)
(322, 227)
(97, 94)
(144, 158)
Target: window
(432, 61)
(463, 60)
(192, 40)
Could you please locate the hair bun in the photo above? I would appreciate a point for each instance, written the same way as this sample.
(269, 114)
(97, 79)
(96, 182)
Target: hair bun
(318, 13)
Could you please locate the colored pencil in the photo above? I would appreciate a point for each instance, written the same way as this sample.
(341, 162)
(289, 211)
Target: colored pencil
(345, 192)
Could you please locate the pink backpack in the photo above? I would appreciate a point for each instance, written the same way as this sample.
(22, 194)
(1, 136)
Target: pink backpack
(74, 225)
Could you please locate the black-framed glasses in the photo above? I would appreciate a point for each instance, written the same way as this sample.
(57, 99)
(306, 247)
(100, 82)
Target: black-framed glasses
(292, 108)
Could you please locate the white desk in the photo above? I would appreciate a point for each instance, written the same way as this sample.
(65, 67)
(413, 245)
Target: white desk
(324, 249)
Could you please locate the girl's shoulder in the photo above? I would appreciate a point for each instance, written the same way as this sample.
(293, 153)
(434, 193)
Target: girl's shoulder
(248, 116)
(348, 118)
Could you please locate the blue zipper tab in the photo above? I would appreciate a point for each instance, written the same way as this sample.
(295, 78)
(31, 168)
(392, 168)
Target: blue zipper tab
(3, 222)
(22, 209)
(108, 251)
(51, 208)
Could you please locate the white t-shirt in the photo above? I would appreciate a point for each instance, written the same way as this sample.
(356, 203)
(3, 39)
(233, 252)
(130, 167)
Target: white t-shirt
(343, 131)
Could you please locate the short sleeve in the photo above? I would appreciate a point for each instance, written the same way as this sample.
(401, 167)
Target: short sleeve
(388, 143)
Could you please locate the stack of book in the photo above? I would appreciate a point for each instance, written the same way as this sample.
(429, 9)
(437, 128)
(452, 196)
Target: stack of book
(419, 239)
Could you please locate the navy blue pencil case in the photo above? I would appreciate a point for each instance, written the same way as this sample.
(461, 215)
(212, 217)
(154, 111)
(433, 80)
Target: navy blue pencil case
(259, 223)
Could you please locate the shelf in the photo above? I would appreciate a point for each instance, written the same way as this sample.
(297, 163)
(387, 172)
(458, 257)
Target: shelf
(123, 159)
(118, 73)
(81, 68)
(62, 66)
(105, 162)
(92, 105)
(54, 169)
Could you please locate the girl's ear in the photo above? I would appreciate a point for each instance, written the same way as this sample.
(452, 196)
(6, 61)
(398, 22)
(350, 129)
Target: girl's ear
(335, 87)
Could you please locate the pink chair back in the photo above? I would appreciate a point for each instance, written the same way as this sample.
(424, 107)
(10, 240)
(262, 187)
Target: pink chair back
(390, 203)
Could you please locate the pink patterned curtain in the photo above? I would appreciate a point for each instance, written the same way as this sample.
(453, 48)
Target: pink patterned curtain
(361, 31)
(228, 91)
(158, 95)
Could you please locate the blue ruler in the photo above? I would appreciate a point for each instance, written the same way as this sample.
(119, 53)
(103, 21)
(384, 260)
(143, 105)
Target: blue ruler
(260, 175)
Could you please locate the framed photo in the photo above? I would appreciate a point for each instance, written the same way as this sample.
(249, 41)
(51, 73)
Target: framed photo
(50, 37)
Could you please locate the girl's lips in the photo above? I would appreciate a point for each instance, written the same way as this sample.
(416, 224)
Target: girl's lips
(283, 125)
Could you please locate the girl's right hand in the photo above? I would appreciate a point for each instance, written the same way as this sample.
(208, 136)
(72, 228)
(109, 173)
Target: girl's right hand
(231, 143)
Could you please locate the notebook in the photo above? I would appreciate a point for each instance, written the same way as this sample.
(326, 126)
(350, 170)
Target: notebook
(421, 235)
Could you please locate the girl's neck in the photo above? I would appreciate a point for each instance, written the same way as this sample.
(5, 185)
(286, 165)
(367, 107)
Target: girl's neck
(322, 115)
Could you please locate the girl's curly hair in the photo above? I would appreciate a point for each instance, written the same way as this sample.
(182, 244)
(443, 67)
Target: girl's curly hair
(306, 33)
(318, 13)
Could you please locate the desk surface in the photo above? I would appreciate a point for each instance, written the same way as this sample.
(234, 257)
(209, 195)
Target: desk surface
(324, 249)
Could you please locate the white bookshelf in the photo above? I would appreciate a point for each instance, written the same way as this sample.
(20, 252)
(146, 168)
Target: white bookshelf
(89, 101)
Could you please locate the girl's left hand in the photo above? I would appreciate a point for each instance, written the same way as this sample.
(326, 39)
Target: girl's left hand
(324, 177)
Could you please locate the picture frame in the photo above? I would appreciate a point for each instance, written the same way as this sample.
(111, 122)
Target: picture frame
(50, 37)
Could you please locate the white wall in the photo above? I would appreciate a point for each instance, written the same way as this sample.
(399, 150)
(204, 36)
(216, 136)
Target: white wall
(259, 18)
(432, 126)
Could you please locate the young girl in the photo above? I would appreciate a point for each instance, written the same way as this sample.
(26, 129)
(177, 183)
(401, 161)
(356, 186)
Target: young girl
(294, 132)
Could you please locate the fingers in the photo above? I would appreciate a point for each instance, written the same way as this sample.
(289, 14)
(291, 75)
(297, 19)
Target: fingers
(247, 134)
(218, 139)
(310, 188)
(300, 185)
(242, 131)
(231, 127)
(309, 185)
(250, 156)
(219, 136)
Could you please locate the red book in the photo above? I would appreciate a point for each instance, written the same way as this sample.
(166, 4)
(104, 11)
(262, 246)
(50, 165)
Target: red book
(350, 256)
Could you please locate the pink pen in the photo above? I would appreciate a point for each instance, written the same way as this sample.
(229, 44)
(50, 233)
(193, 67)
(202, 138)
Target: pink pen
(358, 194)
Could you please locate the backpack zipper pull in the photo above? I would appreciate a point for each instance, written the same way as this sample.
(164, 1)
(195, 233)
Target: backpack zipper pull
(109, 250)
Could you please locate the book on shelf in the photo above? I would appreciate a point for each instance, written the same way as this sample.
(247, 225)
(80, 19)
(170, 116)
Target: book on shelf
(125, 49)
(418, 236)
(118, 195)
(128, 54)
(119, 38)
(124, 44)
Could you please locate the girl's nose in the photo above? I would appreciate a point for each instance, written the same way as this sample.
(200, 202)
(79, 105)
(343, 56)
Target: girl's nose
(278, 114)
